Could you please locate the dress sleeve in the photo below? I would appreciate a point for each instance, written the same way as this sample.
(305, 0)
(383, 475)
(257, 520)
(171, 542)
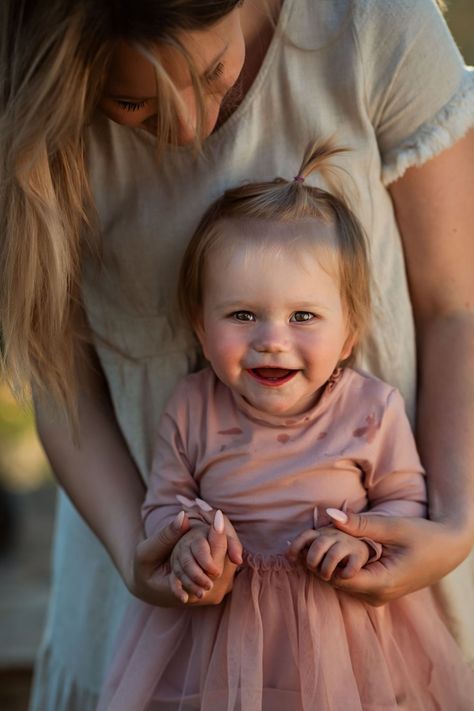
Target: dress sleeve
(394, 479)
(419, 94)
(172, 471)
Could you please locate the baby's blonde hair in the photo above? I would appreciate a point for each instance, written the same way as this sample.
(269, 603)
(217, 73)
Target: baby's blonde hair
(287, 201)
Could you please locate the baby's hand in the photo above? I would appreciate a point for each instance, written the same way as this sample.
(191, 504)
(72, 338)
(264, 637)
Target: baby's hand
(195, 560)
(327, 550)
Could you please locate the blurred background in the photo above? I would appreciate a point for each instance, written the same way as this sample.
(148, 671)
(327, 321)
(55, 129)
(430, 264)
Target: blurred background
(27, 500)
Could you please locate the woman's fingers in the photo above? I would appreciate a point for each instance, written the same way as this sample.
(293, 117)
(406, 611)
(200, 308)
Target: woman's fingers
(159, 546)
(234, 546)
(416, 553)
(234, 550)
(384, 529)
(217, 540)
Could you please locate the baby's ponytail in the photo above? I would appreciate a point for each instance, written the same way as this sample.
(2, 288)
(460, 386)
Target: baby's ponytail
(288, 200)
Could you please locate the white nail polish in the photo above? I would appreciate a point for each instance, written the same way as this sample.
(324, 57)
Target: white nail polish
(184, 501)
(203, 505)
(178, 522)
(337, 515)
(219, 521)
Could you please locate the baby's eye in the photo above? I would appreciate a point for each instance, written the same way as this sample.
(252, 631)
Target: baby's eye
(302, 316)
(131, 105)
(243, 316)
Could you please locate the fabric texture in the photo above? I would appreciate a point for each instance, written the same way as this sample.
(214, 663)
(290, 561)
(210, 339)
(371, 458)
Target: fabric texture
(283, 639)
(390, 78)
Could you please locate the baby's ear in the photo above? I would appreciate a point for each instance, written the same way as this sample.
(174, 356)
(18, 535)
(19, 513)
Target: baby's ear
(198, 327)
(348, 346)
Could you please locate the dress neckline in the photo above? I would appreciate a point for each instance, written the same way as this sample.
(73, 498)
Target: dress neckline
(332, 388)
(247, 100)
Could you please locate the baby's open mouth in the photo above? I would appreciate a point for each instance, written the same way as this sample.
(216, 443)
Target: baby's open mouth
(272, 376)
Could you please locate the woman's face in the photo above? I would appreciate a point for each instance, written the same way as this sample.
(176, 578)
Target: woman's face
(218, 53)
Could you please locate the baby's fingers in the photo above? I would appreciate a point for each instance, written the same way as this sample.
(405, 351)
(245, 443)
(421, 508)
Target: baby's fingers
(176, 588)
(188, 583)
(300, 543)
(336, 554)
(187, 569)
(354, 563)
(317, 551)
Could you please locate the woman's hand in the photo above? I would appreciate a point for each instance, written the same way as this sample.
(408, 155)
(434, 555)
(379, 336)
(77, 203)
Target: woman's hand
(155, 583)
(149, 579)
(416, 553)
(212, 547)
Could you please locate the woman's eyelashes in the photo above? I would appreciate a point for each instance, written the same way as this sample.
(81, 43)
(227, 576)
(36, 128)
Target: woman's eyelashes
(215, 73)
(131, 105)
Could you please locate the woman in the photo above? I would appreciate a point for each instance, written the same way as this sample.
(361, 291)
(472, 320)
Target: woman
(390, 79)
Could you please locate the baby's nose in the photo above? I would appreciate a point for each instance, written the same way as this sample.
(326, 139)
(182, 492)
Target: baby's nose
(270, 339)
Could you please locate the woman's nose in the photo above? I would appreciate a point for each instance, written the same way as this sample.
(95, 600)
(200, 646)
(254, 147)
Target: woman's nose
(187, 120)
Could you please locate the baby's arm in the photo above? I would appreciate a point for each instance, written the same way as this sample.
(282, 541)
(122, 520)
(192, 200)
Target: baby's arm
(201, 559)
(394, 477)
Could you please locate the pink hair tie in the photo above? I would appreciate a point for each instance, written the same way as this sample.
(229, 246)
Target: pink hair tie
(299, 178)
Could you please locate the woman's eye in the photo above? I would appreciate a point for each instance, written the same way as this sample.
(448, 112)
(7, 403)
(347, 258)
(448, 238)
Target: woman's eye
(216, 73)
(243, 316)
(302, 316)
(131, 105)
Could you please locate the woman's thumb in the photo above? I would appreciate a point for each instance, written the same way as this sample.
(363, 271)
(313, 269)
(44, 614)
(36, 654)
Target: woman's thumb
(365, 525)
(158, 546)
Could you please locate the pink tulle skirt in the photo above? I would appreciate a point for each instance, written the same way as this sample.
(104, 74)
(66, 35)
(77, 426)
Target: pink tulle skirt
(285, 641)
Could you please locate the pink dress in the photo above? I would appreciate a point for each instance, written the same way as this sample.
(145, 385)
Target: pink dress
(283, 640)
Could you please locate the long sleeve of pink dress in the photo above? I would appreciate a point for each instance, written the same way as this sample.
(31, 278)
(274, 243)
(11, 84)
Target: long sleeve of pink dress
(283, 639)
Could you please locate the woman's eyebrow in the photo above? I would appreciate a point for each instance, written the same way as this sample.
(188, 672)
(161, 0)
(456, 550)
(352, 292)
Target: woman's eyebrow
(216, 60)
(208, 70)
(123, 97)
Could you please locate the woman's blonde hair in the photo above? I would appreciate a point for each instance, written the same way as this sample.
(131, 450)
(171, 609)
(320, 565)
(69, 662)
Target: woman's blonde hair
(54, 56)
(287, 201)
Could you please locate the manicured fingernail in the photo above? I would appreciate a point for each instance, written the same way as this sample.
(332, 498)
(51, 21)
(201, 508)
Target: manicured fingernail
(219, 521)
(315, 517)
(337, 515)
(203, 505)
(189, 503)
(178, 522)
(184, 597)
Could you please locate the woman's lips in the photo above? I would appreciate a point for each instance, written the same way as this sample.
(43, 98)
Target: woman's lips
(272, 376)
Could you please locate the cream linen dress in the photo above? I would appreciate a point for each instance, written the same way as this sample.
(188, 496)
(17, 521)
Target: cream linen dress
(387, 80)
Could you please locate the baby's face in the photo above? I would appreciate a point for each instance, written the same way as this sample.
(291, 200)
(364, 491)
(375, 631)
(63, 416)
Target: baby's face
(273, 324)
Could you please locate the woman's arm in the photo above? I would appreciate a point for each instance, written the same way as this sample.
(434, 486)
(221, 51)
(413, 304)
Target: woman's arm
(435, 211)
(434, 206)
(101, 479)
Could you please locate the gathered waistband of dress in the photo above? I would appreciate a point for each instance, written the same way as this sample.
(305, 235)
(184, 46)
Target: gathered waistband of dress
(268, 561)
